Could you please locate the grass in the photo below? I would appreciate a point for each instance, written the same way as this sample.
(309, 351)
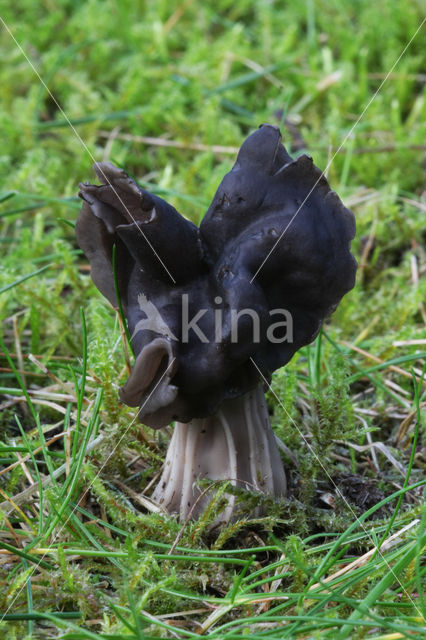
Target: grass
(169, 90)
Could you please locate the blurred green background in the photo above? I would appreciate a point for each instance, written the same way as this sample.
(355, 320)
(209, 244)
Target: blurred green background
(203, 74)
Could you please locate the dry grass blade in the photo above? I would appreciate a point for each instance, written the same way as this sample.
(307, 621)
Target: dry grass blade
(380, 446)
(175, 144)
(362, 560)
(28, 456)
(402, 432)
(142, 500)
(392, 367)
(23, 496)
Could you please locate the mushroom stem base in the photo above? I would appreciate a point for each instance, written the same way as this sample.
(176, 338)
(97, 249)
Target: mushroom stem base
(237, 445)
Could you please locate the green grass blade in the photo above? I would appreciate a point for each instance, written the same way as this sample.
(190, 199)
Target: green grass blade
(25, 278)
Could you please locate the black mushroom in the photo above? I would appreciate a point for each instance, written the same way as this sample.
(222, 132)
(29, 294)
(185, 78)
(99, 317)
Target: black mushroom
(214, 310)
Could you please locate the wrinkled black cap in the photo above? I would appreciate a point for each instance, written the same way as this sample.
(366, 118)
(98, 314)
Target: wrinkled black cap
(274, 238)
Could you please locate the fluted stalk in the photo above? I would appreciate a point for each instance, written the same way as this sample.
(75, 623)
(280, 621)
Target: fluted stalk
(237, 445)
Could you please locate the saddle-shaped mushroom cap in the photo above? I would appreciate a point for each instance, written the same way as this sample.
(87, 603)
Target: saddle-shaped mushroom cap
(202, 304)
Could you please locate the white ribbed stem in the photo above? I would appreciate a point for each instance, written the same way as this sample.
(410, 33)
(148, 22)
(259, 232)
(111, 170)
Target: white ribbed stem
(237, 444)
